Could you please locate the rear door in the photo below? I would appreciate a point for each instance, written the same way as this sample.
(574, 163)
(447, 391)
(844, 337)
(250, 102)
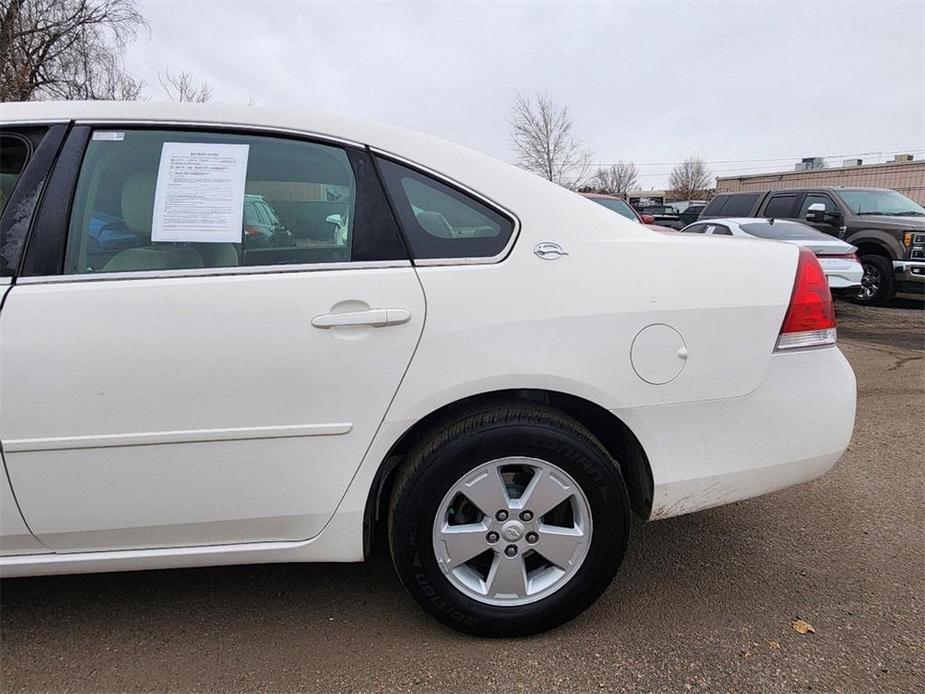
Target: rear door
(169, 380)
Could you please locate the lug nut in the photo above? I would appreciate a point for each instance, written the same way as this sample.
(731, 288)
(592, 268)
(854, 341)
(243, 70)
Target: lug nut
(501, 515)
(532, 538)
(526, 515)
(510, 551)
(492, 537)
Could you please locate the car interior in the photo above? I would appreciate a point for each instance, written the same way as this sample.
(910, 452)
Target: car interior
(300, 195)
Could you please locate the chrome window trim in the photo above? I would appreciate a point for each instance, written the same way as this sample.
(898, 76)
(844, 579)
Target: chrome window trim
(271, 130)
(222, 125)
(215, 272)
(33, 121)
(453, 183)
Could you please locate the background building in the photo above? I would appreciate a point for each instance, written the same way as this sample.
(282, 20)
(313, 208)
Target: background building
(902, 174)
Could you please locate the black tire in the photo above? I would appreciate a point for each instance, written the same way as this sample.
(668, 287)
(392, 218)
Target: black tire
(461, 445)
(879, 283)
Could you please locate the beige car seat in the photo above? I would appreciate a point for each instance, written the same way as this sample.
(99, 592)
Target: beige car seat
(137, 212)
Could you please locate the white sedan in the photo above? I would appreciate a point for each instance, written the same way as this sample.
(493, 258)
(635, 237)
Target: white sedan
(483, 362)
(838, 259)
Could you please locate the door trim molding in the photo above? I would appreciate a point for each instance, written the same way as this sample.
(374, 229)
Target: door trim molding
(150, 438)
(216, 271)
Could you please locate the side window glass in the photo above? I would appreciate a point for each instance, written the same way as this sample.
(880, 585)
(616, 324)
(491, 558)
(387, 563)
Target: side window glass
(739, 205)
(695, 229)
(715, 205)
(780, 206)
(817, 198)
(440, 221)
(14, 153)
(720, 230)
(173, 200)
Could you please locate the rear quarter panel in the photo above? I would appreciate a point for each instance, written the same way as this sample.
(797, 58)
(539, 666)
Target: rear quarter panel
(569, 324)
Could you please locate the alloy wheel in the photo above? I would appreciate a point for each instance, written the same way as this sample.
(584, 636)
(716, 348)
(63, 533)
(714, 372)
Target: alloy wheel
(512, 531)
(870, 283)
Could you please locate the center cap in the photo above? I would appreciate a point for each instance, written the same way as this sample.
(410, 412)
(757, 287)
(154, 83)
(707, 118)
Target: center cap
(512, 531)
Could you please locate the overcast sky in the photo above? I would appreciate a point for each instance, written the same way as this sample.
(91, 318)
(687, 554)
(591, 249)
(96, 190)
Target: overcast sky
(651, 82)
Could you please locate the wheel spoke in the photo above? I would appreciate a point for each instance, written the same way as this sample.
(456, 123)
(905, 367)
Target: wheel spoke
(545, 491)
(507, 577)
(487, 491)
(463, 542)
(558, 545)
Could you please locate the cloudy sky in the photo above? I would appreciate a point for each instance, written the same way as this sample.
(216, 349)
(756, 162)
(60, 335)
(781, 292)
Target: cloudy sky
(651, 82)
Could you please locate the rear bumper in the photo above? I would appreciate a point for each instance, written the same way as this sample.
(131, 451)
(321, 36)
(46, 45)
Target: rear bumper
(909, 270)
(842, 274)
(791, 429)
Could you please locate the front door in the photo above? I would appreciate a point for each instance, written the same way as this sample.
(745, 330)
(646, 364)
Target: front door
(181, 385)
(834, 220)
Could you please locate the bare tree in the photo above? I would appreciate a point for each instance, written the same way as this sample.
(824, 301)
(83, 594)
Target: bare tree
(617, 178)
(66, 49)
(180, 87)
(541, 135)
(690, 179)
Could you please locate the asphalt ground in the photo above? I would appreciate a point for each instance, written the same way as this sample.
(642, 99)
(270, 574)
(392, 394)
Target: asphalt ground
(704, 602)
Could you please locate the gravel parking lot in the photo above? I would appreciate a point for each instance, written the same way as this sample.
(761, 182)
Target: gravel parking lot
(703, 602)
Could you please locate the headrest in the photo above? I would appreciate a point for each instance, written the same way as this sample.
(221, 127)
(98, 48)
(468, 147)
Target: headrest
(434, 224)
(138, 202)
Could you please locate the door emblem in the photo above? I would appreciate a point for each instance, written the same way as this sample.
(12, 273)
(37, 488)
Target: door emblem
(547, 250)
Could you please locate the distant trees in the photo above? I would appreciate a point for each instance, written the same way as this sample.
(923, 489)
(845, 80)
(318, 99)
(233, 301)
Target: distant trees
(67, 49)
(690, 179)
(180, 87)
(542, 139)
(73, 49)
(617, 178)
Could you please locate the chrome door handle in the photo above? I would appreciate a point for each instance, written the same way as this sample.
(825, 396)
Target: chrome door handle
(375, 317)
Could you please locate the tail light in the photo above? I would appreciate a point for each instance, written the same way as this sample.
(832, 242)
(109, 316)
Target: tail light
(810, 319)
(251, 231)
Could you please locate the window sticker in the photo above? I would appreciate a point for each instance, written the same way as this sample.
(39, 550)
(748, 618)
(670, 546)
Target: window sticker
(111, 135)
(200, 193)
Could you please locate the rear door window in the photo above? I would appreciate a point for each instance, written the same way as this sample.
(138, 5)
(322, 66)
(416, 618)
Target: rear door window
(177, 200)
(441, 222)
(781, 206)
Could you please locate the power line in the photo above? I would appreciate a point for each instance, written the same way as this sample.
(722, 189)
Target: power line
(776, 159)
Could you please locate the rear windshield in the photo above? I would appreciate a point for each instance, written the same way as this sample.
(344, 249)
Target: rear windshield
(617, 206)
(784, 231)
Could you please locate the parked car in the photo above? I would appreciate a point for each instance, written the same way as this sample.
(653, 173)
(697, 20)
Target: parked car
(887, 227)
(483, 371)
(621, 207)
(838, 259)
(663, 215)
(261, 223)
